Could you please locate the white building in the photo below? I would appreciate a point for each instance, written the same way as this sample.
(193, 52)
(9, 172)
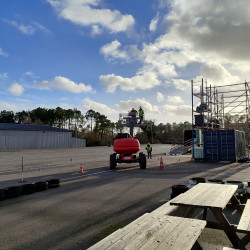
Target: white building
(25, 136)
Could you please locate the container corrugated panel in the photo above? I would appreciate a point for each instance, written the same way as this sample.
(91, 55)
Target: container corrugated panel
(240, 144)
(226, 145)
(211, 145)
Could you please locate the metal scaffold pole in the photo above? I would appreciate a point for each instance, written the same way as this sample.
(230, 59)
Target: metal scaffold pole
(247, 111)
(192, 86)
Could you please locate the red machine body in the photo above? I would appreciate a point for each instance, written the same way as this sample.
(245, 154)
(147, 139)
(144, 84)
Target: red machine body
(126, 146)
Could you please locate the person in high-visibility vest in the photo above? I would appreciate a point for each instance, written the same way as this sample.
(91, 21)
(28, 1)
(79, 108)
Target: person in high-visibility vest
(141, 114)
(149, 150)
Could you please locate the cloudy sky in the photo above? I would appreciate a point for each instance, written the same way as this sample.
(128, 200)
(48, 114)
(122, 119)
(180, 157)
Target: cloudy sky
(113, 55)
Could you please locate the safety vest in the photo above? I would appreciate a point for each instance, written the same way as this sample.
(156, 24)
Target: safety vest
(149, 148)
(141, 112)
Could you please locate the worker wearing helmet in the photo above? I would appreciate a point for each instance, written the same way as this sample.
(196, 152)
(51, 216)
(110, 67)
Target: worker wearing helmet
(133, 112)
(141, 114)
(149, 150)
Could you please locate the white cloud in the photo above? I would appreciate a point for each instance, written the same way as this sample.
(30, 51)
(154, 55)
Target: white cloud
(211, 33)
(27, 29)
(96, 30)
(154, 22)
(90, 13)
(63, 83)
(182, 84)
(175, 99)
(208, 41)
(30, 75)
(111, 50)
(2, 53)
(41, 27)
(217, 74)
(98, 107)
(8, 106)
(178, 111)
(16, 89)
(4, 75)
(160, 97)
(126, 106)
(143, 80)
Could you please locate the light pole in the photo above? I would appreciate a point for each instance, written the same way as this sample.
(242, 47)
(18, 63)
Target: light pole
(152, 138)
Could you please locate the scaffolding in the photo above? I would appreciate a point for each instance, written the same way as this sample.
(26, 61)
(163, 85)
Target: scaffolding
(222, 107)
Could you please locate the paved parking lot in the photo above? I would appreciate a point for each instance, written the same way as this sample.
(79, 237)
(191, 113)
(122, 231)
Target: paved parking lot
(89, 206)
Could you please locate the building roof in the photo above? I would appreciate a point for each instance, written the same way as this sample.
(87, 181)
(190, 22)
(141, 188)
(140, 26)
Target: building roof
(30, 127)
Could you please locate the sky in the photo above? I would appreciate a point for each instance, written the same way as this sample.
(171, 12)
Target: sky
(115, 55)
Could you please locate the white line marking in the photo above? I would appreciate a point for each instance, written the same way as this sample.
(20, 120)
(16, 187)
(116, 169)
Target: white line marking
(83, 175)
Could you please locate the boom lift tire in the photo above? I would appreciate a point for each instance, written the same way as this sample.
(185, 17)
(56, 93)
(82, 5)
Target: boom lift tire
(112, 161)
(142, 161)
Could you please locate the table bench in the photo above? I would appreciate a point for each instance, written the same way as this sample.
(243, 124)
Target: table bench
(244, 224)
(214, 197)
(155, 230)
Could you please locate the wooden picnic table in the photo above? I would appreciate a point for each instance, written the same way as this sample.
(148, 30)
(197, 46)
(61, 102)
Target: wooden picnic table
(155, 232)
(214, 197)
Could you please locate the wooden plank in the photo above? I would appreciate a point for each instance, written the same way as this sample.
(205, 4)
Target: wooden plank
(206, 195)
(180, 233)
(244, 223)
(189, 196)
(115, 236)
(229, 248)
(218, 196)
(236, 204)
(146, 229)
(225, 195)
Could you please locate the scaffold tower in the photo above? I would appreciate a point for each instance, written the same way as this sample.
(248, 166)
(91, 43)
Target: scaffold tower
(222, 107)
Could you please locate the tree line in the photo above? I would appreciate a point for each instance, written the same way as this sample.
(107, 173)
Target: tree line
(94, 126)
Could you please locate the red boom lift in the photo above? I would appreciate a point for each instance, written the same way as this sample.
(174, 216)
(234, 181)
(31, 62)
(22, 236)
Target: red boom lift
(125, 146)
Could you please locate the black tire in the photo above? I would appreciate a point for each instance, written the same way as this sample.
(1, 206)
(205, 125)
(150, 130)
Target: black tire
(143, 161)
(112, 163)
(13, 192)
(173, 196)
(28, 189)
(53, 186)
(199, 180)
(215, 181)
(243, 199)
(2, 194)
(247, 196)
(54, 181)
(41, 186)
(179, 189)
(239, 183)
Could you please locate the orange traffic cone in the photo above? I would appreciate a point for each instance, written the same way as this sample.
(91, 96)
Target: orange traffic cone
(81, 170)
(161, 164)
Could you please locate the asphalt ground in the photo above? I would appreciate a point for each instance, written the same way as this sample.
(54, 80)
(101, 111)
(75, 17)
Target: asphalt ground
(90, 205)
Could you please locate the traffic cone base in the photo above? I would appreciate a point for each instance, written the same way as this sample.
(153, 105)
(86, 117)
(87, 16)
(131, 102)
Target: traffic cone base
(81, 170)
(161, 164)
